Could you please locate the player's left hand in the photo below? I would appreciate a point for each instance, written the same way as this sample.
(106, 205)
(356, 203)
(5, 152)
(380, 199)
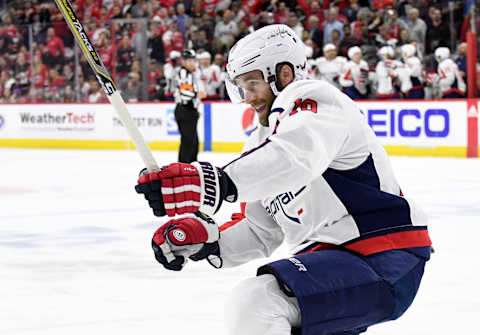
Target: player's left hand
(191, 236)
(181, 188)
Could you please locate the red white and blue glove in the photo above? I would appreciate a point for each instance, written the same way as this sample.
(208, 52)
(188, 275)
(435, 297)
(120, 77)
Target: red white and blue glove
(193, 236)
(181, 188)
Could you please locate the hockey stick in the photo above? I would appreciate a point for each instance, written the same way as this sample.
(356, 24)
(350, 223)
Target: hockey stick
(106, 82)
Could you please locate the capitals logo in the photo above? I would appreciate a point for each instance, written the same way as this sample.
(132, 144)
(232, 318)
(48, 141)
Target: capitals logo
(281, 203)
(2, 121)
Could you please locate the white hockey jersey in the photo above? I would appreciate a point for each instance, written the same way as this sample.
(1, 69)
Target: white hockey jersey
(317, 174)
(211, 78)
(330, 70)
(410, 75)
(354, 74)
(385, 73)
(449, 78)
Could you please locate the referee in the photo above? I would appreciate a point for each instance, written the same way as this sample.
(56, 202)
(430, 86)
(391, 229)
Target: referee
(187, 97)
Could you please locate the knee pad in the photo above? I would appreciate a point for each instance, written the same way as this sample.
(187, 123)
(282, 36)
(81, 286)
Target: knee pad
(258, 306)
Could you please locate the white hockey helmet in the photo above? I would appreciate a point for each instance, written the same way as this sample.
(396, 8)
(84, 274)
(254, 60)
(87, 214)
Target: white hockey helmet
(263, 50)
(204, 55)
(352, 51)
(328, 47)
(442, 53)
(386, 50)
(174, 54)
(408, 50)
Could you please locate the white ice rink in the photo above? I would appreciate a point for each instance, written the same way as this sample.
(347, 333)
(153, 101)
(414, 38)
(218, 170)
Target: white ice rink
(75, 255)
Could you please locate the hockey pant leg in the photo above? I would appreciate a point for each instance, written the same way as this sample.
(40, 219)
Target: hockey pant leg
(257, 306)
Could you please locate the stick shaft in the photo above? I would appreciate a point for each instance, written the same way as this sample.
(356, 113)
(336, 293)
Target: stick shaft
(106, 81)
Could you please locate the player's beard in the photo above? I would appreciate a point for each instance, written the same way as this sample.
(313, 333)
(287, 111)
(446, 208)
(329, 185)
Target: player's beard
(264, 108)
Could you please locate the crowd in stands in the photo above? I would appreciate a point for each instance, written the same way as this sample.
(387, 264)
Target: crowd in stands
(38, 62)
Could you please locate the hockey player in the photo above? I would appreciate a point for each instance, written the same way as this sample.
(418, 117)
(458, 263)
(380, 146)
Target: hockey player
(410, 75)
(313, 175)
(386, 74)
(170, 71)
(448, 78)
(330, 65)
(354, 75)
(210, 74)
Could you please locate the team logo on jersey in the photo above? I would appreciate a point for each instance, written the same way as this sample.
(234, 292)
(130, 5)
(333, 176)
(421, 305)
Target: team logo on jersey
(2, 121)
(279, 203)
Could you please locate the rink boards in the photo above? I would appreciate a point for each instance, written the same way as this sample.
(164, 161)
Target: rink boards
(414, 128)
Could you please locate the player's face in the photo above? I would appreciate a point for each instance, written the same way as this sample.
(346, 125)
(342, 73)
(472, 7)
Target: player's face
(258, 94)
(357, 57)
(331, 54)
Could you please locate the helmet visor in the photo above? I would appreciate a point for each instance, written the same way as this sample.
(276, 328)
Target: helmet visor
(235, 92)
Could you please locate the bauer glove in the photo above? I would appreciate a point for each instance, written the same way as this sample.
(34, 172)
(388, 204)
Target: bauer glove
(181, 188)
(192, 236)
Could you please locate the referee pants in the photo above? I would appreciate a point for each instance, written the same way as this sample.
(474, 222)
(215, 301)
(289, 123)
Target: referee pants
(187, 118)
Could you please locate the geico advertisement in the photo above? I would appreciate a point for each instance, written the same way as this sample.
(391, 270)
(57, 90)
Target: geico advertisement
(156, 122)
(430, 123)
(49, 121)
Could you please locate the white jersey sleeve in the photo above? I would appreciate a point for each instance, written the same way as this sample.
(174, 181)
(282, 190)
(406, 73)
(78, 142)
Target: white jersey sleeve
(255, 236)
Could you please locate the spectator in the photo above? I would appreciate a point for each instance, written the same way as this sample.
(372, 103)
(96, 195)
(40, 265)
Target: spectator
(68, 75)
(348, 41)
(438, 33)
(393, 25)
(200, 42)
(417, 29)
(155, 44)
(133, 90)
(55, 49)
(225, 31)
(461, 60)
(316, 35)
(106, 49)
(315, 10)
(351, 11)
(182, 19)
(139, 39)
(125, 56)
(139, 9)
(55, 85)
(293, 23)
(360, 23)
(39, 74)
(68, 94)
(335, 40)
(96, 94)
(173, 38)
(332, 23)
(21, 74)
(280, 12)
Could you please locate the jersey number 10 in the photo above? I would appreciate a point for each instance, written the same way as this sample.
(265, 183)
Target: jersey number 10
(304, 105)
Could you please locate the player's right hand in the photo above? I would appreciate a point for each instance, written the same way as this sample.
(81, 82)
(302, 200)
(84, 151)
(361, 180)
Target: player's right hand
(191, 236)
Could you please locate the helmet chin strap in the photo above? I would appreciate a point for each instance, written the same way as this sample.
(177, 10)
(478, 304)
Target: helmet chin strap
(273, 85)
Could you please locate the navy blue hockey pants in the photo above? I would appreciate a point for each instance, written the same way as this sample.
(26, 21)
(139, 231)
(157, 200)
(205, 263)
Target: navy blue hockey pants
(343, 293)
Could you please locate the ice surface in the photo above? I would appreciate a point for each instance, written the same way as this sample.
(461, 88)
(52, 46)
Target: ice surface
(75, 254)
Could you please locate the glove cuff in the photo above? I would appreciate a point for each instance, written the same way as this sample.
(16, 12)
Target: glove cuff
(215, 186)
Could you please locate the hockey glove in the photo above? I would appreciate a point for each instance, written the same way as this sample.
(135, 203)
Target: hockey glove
(181, 188)
(192, 236)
